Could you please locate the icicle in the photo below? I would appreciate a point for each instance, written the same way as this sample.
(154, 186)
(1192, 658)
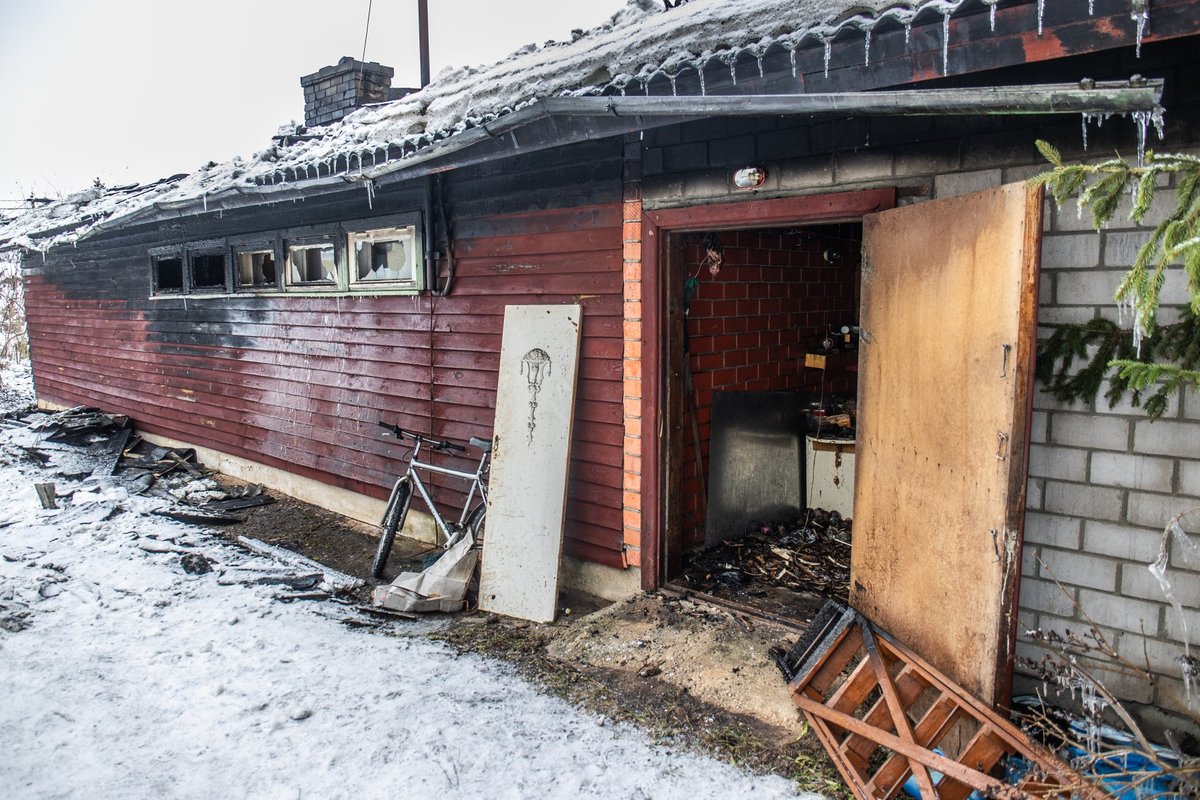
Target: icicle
(646, 88)
(703, 90)
(760, 66)
(733, 71)
(1142, 120)
(1091, 8)
(370, 194)
(1132, 306)
(907, 31)
(992, 16)
(1159, 570)
(1085, 117)
(1140, 15)
(1041, 14)
(792, 56)
(867, 47)
(204, 197)
(1189, 668)
(828, 54)
(673, 78)
(946, 42)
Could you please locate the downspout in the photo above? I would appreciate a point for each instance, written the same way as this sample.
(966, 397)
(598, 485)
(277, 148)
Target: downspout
(430, 228)
(450, 265)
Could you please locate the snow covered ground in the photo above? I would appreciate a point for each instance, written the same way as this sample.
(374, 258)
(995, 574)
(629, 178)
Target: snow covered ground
(123, 676)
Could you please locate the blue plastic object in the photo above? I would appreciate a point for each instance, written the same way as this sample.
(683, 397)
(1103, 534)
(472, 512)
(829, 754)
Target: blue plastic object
(910, 786)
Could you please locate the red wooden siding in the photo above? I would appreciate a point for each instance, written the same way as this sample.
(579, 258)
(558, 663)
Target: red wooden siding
(299, 383)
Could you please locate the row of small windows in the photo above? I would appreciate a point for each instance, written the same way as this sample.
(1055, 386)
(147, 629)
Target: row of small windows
(354, 257)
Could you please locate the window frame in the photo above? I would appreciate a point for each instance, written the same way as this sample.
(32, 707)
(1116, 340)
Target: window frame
(256, 244)
(217, 248)
(158, 254)
(185, 252)
(308, 237)
(342, 236)
(356, 229)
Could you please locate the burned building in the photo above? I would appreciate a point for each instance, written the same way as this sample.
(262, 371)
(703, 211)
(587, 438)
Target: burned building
(759, 207)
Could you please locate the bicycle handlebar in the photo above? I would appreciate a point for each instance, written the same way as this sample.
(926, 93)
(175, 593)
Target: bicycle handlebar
(434, 444)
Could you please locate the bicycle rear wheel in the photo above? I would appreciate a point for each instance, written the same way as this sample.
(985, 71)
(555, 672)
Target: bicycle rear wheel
(475, 523)
(393, 520)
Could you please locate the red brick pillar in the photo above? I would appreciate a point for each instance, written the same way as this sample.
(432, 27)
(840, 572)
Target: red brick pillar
(631, 497)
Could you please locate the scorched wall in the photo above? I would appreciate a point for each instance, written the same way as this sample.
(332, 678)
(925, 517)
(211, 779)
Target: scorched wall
(299, 382)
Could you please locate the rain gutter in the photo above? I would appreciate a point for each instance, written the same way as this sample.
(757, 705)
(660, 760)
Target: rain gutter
(559, 121)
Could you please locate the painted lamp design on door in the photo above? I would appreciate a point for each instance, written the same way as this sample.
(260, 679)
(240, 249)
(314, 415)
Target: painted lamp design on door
(535, 366)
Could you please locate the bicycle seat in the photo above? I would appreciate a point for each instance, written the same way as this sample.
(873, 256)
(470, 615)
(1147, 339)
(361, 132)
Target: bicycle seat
(483, 444)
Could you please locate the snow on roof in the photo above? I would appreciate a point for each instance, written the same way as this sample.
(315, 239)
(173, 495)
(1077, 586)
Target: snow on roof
(639, 44)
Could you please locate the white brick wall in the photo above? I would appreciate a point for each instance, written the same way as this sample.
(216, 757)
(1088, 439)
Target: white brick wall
(1108, 479)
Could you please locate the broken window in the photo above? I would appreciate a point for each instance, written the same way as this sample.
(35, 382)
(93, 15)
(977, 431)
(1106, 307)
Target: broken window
(384, 256)
(256, 269)
(208, 272)
(312, 264)
(168, 275)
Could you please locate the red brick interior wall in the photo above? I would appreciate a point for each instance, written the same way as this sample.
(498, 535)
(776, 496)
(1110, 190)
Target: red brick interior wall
(775, 298)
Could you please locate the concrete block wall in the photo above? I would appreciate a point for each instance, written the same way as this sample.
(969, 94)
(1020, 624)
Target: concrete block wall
(1103, 481)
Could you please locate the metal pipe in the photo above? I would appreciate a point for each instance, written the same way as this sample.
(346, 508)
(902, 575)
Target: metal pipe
(423, 30)
(1070, 98)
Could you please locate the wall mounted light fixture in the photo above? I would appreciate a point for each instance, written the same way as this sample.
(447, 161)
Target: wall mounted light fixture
(749, 178)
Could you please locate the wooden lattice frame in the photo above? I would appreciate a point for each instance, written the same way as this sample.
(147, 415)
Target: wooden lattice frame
(858, 688)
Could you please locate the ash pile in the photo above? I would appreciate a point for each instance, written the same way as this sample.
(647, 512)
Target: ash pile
(809, 554)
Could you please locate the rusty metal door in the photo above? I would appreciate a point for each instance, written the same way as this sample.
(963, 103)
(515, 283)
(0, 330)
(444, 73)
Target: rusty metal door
(949, 303)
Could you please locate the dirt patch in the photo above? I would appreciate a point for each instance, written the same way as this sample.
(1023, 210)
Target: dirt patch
(669, 708)
(715, 655)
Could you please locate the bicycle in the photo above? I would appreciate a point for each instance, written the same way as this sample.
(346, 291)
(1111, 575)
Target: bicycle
(470, 519)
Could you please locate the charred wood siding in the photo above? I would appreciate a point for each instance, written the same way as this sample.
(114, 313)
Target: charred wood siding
(298, 383)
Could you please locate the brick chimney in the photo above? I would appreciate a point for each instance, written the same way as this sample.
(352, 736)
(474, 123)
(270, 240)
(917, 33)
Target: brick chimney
(331, 93)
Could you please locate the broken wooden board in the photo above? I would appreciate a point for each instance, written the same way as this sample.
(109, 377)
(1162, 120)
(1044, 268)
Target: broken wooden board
(885, 715)
(338, 581)
(531, 452)
(949, 303)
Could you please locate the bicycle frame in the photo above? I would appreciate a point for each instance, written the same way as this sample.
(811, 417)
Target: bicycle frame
(477, 487)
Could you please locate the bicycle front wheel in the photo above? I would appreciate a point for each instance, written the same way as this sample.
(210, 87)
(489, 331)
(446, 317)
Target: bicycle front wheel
(393, 520)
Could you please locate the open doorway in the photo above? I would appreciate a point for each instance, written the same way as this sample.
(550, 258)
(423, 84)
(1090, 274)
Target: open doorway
(948, 309)
(762, 367)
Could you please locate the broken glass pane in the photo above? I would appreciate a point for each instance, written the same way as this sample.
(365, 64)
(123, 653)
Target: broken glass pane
(384, 255)
(311, 264)
(256, 269)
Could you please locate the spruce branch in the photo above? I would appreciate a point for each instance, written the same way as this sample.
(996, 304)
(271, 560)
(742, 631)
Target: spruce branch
(1157, 362)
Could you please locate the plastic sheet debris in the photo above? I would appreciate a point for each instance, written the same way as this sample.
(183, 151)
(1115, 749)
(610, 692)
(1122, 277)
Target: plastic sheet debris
(442, 586)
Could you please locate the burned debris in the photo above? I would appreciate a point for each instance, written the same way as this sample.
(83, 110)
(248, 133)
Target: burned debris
(806, 555)
(82, 442)
(87, 449)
